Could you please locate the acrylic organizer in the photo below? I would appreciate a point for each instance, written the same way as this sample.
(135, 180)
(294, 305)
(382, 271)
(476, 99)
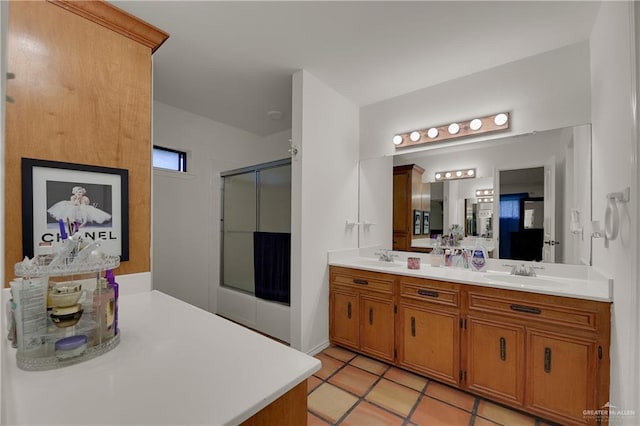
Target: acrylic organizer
(63, 322)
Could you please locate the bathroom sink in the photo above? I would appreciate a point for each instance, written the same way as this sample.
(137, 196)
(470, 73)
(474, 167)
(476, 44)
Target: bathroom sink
(378, 263)
(524, 281)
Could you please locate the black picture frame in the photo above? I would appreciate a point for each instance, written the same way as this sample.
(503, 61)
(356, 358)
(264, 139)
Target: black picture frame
(425, 223)
(417, 222)
(53, 191)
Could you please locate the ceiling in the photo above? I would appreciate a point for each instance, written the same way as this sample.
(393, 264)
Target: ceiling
(232, 61)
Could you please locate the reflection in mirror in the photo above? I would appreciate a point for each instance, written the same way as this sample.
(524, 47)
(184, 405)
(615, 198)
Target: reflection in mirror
(551, 171)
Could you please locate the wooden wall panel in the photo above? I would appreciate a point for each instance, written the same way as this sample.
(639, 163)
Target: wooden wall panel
(82, 95)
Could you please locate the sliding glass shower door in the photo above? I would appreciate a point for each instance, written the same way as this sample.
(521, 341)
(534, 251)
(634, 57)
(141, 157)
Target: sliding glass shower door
(254, 199)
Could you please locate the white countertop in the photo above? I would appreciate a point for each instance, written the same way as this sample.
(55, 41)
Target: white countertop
(581, 286)
(175, 365)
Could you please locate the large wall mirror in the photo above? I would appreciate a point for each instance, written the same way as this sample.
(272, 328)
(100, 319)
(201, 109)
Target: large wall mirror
(530, 198)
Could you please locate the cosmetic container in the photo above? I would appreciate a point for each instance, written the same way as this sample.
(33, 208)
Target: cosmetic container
(111, 279)
(104, 311)
(71, 347)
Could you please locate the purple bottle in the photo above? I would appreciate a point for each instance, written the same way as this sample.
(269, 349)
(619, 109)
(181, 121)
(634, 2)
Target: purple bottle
(111, 280)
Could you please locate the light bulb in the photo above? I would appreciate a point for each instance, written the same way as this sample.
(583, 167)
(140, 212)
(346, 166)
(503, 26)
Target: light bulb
(438, 176)
(432, 132)
(397, 140)
(415, 136)
(491, 199)
(478, 192)
(458, 173)
(500, 119)
(470, 172)
(486, 192)
(447, 175)
(454, 128)
(475, 124)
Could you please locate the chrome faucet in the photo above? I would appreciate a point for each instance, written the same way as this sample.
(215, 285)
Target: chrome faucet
(524, 270)
(385, 255)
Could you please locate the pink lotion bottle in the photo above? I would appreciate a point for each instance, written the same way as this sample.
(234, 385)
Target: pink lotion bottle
(111, 279)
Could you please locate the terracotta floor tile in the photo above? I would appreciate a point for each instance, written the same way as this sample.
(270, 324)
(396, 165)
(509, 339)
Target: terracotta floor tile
(452, 396)
(393, 396)
(353, 380)
(329, 366)
(503, 415)
(339, 353)
(330, 402)
(434, 413)
(312, 383)
(366, 414)
(313, 420)
(405, 378)
(479, 421)
(372, 366)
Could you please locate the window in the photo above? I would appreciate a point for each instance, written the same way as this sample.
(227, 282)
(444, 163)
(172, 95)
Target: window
(170, 159)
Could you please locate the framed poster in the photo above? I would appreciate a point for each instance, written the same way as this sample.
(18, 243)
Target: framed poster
(417, 220)
(425, 223)
(92, 199)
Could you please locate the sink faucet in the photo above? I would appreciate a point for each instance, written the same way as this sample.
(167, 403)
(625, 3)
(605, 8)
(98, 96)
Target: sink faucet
(385, 255)
(524, 270)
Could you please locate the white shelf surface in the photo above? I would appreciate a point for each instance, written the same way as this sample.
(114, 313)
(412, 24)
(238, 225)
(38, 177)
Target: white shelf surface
(176, 365)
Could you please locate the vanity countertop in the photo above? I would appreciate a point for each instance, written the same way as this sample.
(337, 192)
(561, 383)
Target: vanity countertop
(590, 287)
(176, 364)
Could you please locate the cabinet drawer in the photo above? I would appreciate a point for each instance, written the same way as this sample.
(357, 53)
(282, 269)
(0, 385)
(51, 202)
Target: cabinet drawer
(362, 279)
(538, 310)
(430, 291)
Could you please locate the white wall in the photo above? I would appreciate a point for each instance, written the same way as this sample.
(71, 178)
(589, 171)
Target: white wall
(614, 168)
(324, 196)
(186, 207)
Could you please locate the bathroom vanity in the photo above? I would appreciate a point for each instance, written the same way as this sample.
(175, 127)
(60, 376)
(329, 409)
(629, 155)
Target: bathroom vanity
(176, 364)
(538, 344)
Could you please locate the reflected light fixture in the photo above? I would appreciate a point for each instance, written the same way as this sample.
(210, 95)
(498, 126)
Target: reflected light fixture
(455, 174)
(484, 192)
(452, 130)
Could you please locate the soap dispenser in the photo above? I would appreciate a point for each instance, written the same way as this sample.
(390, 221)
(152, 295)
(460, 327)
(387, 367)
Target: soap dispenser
(479, 257)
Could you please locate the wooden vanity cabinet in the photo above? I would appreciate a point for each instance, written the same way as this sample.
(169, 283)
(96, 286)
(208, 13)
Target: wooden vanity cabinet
(564, 365)
(361, 311)
(429, 328)
(546, 355)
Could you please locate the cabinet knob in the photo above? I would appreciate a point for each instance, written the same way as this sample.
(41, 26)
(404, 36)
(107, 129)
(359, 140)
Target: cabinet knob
(370, 316)
(503, 349)
(349, 310)
(413, 326)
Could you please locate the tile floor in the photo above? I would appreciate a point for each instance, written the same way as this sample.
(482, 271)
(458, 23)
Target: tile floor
(353, 390)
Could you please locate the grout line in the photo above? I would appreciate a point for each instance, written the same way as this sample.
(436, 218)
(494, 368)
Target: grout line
(421, 394)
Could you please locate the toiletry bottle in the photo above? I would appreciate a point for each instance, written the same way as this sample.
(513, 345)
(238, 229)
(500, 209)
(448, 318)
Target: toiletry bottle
(447, 257)
(111, 279)
(103, 311)
(479, 257)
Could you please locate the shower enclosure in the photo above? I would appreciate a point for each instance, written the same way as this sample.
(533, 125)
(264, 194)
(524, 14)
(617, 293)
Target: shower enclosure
(256, 201)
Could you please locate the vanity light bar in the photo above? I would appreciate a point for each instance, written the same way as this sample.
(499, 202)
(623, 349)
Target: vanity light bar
(485, 200)
(466, 128)
(488, 192)
(455, 174)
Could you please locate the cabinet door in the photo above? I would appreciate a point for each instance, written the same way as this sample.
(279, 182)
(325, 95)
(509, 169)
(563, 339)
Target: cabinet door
(495, 360)
(377, 336)
(561, 375)
(430, 342)
(344, 318)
